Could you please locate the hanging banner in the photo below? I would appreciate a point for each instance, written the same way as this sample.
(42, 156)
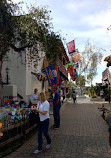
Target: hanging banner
(71, 46)
(76, 65)
(76, 56)
(58, 78)
(38, 75)
(71, 63)
(51, 74)
(71, 70)
(74, 77)
(45, 63)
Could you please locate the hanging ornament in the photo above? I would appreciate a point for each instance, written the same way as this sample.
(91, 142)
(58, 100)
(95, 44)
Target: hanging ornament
(39, 76)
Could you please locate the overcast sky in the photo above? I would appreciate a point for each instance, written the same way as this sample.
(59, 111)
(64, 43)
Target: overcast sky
(81, 20)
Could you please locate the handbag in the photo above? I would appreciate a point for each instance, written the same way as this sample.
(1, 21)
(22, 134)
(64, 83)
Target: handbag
(34, 116)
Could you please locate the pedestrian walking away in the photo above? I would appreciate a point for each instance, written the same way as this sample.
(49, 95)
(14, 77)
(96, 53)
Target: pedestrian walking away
(43, 126)
(74, 96)
(56, 108)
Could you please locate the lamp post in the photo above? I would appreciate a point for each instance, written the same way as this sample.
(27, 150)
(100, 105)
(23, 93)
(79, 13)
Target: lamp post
(7, 77)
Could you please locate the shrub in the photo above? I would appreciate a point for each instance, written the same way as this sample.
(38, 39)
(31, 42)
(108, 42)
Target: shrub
(94, 96)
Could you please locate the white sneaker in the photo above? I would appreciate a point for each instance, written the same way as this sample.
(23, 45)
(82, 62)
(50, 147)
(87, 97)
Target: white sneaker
(37, 151)
(48, 146)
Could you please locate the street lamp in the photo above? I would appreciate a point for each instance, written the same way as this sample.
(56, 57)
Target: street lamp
(7, 77)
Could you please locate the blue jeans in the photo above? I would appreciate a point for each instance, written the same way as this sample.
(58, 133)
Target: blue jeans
(56, 113)
(43, 127)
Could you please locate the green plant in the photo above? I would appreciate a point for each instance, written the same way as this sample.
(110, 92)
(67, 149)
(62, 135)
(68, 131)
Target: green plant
(94, 96)
(86, 92)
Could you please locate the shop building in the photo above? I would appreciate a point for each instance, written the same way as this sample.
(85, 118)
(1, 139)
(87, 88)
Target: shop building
(22, 75)
(25, 77)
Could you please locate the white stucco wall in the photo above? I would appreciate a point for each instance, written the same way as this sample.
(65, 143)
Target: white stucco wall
(31, 83)
(31, 80)
(20, 73)
(17, 71)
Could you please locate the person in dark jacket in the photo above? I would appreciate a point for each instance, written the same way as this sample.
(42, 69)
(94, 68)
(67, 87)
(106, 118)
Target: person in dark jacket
(56, 108)
(74, 96)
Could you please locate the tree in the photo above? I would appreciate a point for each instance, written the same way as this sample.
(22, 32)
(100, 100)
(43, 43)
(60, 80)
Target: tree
(97, 90)
(20, 31)
(109, 28)
(81, 81)
(91, 57)
(6, 33)
(92, 90)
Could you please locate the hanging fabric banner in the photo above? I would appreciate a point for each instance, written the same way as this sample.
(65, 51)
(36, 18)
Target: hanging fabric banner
(71, 63)
(45, 63)
(58, 78)
(76, 65)
(51, 74)
(71, 70)
(76, 56)
(74, 77)
(58, 75)
(71, 46)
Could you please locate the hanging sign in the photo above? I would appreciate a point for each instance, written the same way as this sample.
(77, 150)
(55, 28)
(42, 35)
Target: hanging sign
(51, 74)
(71, 46)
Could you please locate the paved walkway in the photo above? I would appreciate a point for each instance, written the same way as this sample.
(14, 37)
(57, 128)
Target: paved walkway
(83, 134)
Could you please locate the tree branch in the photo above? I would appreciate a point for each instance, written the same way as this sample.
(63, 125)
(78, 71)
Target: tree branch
(20, 48)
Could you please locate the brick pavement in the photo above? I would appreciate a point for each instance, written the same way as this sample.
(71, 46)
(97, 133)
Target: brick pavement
(83, 134)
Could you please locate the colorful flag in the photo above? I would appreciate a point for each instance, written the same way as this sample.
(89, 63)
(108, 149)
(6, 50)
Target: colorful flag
(51, 74)
(71, 63)
(45, 63)
(76, 56)
(74, 77)
(76, 65)
(71, 70)
(71, 46)
(58, 74)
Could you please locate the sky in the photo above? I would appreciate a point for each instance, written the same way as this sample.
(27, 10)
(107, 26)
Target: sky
(81, 20)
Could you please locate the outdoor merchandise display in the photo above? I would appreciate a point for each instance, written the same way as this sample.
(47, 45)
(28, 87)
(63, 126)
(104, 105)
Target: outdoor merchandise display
(12, 113)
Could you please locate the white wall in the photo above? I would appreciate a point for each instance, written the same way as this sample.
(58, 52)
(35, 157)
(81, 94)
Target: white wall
(20, 73)
(17, 71)
(31, 83)
(31, 80)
